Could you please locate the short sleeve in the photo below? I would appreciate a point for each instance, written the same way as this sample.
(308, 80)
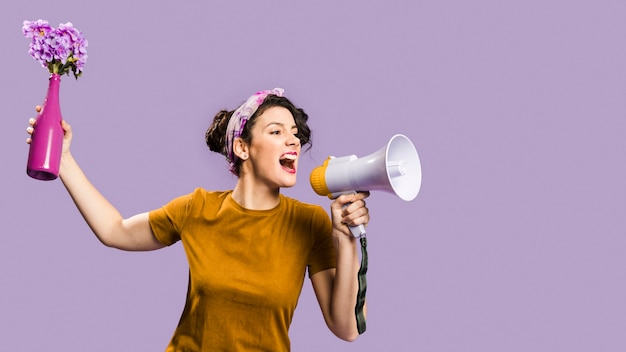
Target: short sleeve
(168, 221)
(323, 254)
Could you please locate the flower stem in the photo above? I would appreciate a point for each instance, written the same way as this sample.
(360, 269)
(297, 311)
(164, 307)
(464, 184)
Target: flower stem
(53, 67)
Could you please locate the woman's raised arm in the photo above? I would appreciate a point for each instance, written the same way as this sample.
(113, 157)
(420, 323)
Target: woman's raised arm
(131, 234)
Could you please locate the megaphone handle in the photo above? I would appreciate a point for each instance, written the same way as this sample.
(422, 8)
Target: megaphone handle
(357, 231)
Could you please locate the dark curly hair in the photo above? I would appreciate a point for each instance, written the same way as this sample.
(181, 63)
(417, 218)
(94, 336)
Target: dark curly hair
(215, 135)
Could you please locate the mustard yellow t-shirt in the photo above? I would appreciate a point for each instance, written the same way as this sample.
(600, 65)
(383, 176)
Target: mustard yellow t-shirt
(246, 268)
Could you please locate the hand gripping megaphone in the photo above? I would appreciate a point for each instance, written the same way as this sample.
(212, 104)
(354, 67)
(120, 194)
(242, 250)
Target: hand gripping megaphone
(395, 168)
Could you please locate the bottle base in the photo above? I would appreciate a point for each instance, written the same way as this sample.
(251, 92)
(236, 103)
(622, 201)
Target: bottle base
(42, 175)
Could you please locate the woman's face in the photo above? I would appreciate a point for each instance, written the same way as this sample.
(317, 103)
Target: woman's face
(274, 149)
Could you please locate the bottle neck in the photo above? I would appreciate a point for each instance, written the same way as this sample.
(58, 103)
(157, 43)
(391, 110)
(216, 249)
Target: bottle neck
(52, 97)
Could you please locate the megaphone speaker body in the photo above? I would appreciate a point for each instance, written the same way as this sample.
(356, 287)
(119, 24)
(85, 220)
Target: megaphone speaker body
(395, 168)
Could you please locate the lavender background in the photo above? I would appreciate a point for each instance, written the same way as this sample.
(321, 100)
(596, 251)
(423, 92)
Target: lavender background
(516, 241)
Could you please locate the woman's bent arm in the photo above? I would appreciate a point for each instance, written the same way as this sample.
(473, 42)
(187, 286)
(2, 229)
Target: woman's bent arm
(336, 289)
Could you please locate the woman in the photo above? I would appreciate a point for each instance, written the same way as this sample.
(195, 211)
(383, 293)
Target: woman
(249, 248)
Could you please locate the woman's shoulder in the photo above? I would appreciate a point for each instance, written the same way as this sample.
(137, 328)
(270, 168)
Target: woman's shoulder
(201, 195)
(199, 191)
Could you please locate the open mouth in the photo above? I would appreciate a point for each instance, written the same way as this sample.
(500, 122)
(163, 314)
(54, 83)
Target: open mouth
(288, 161)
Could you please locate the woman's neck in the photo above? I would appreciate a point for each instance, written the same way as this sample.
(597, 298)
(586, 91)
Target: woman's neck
(254, 196)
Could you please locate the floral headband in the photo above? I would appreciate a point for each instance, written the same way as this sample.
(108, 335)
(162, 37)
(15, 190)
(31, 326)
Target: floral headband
(239, 118)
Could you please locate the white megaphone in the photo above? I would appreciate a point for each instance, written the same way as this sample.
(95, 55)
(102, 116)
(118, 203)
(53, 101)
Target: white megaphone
(394, 168)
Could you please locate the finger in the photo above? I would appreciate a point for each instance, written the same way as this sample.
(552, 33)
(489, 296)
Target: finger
(38, 108)
(359, 196)
(356, 216)
(361, 220)
(66, 127)
(346, 199)
(28, 140)
(29, 129)
(353, 206)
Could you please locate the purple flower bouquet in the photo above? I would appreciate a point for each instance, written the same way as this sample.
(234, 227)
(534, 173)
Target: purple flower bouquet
(61, 50)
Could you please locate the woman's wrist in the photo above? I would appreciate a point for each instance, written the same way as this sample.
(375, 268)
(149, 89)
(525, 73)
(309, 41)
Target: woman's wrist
(343, 240)
(66, 160)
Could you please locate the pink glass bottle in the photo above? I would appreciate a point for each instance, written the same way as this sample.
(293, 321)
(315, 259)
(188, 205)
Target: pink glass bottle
(44, 156)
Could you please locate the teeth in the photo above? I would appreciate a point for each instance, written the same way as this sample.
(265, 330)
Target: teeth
(288, 157)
